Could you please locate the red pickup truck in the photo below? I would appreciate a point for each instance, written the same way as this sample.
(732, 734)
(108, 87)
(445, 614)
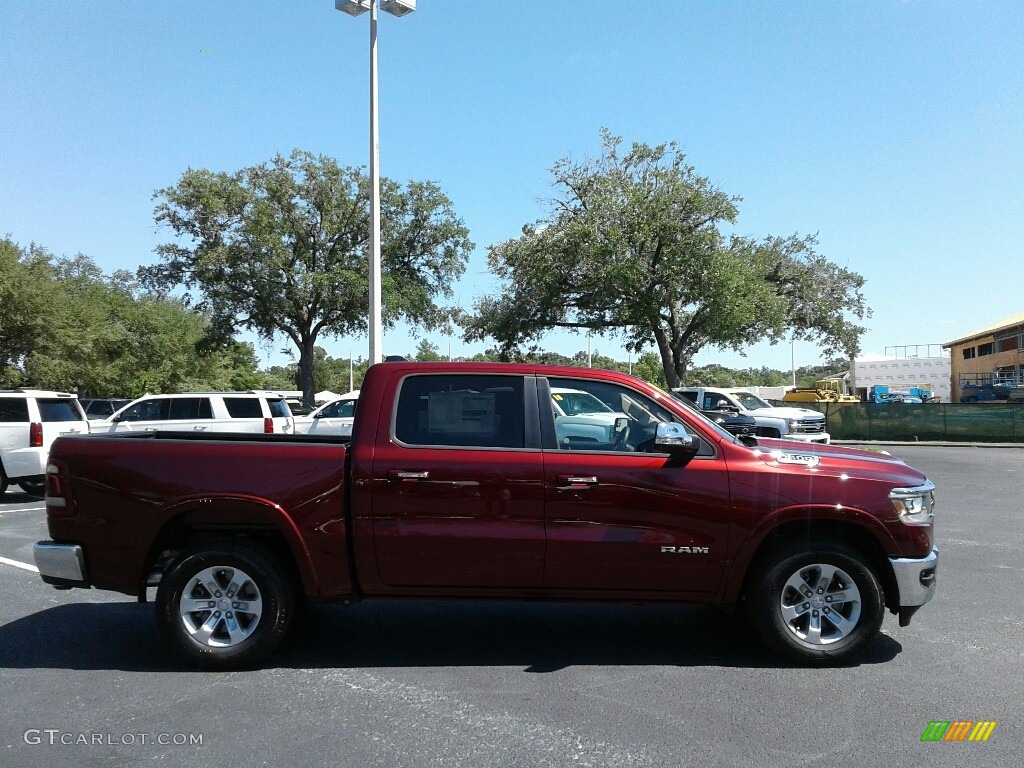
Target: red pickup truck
(460, 481)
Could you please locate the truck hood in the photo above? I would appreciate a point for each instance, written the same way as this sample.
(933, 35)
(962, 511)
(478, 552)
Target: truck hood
(835, 459)
(606, 419)
(783, 412)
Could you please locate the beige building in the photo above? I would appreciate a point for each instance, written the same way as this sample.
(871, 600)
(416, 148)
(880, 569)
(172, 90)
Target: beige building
(989, 355)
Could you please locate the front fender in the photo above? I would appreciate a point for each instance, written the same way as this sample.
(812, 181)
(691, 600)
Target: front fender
(808, 521)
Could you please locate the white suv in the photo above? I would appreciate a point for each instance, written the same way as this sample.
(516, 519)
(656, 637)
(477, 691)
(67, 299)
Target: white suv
(252, 411)
(30, 419)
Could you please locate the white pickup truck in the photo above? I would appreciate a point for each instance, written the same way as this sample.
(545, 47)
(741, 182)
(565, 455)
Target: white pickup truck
(803, 424)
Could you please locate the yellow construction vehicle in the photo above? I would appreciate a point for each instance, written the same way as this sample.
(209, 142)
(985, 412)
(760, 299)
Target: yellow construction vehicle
(824, 391)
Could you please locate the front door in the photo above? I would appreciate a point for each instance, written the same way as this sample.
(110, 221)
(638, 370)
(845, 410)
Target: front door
(621, 518)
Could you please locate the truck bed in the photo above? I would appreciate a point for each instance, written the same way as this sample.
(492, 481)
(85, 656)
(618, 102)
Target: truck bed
(292, 486)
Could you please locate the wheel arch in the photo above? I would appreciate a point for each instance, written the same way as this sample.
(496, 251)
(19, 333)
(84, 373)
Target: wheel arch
(229, 518)
(789, 533)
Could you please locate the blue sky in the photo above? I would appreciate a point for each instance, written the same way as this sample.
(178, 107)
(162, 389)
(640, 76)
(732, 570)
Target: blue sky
(893, 130)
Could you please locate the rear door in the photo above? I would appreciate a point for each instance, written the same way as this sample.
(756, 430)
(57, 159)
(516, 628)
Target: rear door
(458, 493)
(624, 519)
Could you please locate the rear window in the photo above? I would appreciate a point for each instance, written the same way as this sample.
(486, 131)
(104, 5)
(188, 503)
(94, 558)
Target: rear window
(13, 409)
(461, 410)
(279, 408)
(59, 410)
(244, 407)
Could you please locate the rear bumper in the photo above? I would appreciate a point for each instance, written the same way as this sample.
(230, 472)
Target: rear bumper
(25, 463)
(915, 578)
(62, 565)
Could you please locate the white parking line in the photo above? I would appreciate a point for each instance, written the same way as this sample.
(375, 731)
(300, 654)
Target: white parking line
(24, 509)
(16, 564)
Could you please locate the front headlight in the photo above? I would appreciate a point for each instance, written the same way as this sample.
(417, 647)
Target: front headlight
(916, 505)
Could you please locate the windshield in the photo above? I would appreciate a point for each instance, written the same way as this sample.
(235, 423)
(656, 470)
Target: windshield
(749, 401)
(574, 403)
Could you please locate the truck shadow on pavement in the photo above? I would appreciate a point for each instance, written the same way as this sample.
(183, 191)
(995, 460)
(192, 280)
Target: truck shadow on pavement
(539, 637)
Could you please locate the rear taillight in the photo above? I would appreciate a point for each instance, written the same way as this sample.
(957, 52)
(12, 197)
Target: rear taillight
(35, 435)
(268, 426)
(57, 502)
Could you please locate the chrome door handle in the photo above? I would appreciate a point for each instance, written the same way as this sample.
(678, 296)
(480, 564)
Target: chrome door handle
(576, 481)
(398, 474)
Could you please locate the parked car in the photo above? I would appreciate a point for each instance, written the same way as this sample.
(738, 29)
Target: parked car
(732, 421)
(803, 424)
(102, 407)
(253, 411)
(455, 485)
(30, 420)
(333, 418)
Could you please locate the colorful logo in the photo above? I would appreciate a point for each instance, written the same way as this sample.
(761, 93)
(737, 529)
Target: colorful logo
(958, 730)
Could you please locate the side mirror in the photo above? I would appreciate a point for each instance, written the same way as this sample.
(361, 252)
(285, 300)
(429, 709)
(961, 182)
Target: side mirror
(672, 438)
(116, 419)
(621, 423)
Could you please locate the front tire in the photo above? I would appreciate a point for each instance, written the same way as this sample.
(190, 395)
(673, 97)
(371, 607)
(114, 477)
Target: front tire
(816, 603)
(225, 605)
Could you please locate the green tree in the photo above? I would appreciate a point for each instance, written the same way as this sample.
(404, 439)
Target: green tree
(427, 351)
(281, 248)
(632, 246)
(28, 295)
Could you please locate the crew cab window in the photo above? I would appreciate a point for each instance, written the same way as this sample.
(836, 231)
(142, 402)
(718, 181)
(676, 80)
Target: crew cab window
(13, 409)
(62, 409)
(461, 410)
(607, 416)
(190, 408)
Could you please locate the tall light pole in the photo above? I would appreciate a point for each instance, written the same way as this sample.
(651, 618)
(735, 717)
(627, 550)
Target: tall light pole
(356, 8)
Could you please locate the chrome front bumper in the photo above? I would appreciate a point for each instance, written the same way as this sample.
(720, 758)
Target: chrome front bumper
(915, 578)
(60, 564)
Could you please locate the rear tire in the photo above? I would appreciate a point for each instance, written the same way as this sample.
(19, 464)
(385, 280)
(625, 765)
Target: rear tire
(35, 488)
(816, 603)
(225, 605)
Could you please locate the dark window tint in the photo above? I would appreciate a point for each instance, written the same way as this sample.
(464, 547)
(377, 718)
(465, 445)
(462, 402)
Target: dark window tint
(13, 409)
(146, 410)
(279, 408)
(99, 407)
(461, 410)
(340, 410)
(243, 407)
(190, 408)
(59, 410)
